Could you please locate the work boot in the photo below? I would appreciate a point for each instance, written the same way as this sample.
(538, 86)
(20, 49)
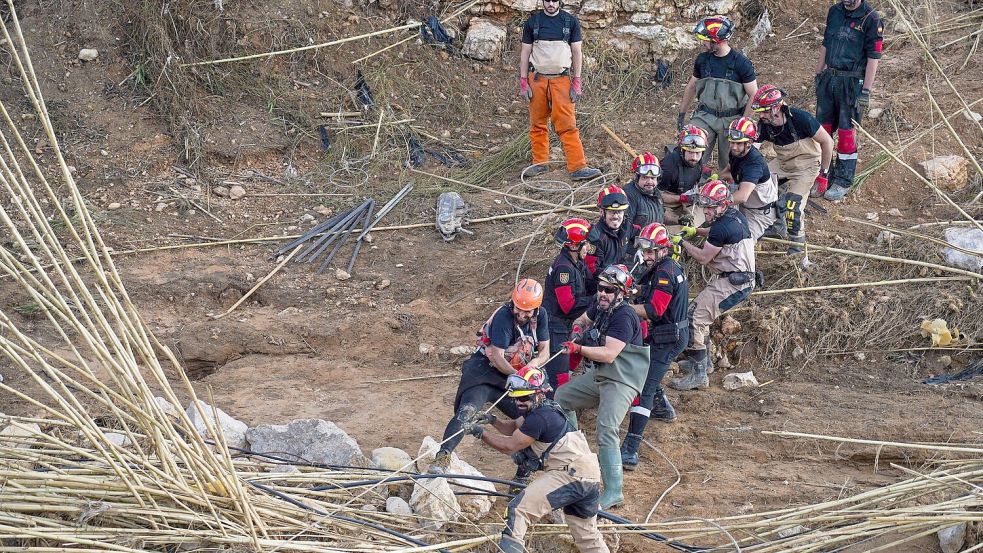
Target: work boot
(777, 230)
(796, 249)
(697, 379)
(836, 192)
(440, 463)
(508, 544)
(535, 170)
(662, 410)
(522, 476)
(629, 451)
(585, 173)
(612, 476)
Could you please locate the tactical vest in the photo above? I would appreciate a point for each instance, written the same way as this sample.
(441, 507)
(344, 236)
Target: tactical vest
(523, 350)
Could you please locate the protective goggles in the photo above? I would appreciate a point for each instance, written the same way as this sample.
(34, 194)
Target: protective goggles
(737, 136)
(704, 201)
(649, 171)
(693, 143)
(647, 244)
(516, 383)
(523, 398)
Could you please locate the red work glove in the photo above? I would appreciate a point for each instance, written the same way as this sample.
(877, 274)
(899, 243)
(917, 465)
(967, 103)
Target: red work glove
(685, 199)
(822, 183)
(524, 89)
(576, 90)
(572, 348)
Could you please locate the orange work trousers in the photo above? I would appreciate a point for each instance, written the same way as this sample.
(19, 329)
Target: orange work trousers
(551, 101)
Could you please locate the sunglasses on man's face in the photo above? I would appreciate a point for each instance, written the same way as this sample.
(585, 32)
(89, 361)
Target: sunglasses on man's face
(551, 1)
(607, 290)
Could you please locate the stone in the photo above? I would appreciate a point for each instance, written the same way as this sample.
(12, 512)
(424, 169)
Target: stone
(88, 54)
(875, 113)
(311, 440)
(221, 191)
(307, 218)
(736, 381)
(342, 274)
(427, 349)
(590, 7)
(168, 408)
(383, 284)
(729, 326)
(947, 172)
(885, 237)
(637, 5)
(968, 239)
(647, 32)
(114, 206)
(234, 430)
(116, 438)
(942, 363)
(760, 31)
(398, 506)
(872, 216)
(237, 192)
(160, 207)
(484, 40)
(474, 506)
(972, 116)
(894, 212)
(793, 531)
(524, 5)
(18, 431)
(391, 458)
(462, 350)
(951, 539)
(434, 500)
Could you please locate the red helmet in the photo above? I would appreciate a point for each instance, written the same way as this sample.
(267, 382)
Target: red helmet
(612, 197)
(692, 139)
(646, 165)
(742, 130)
(527, 295)
(572, 232)
(715, 28)
(618, 276)
(767, 97)
(654, 236)
(528, 381)
(713, 194)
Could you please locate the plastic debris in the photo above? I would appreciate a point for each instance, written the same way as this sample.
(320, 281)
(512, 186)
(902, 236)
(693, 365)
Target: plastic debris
(451, 214)
(938, 329)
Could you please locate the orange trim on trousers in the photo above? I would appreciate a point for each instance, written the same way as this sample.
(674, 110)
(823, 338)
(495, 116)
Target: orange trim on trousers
(551, 102)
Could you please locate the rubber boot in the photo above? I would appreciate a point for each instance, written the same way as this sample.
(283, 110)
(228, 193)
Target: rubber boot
(612, 476)
(629, 451)
(777, 229)
(508, 544)
(697, 379)
(662, 410)
(440, 463)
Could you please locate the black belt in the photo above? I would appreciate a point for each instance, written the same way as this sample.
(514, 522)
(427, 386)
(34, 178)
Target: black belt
(726, 274)
(762, 208)
(565, 73)
(715, 113)
(842, 73)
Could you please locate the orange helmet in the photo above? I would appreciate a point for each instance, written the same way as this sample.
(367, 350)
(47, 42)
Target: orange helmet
(713, 194)
(742, 130)
(767, 97)
(692, 139)
(572, 232)
(646, 165)
(618, 276)
(654, 236)
(612, 197)
(715, 28)
(527, 295)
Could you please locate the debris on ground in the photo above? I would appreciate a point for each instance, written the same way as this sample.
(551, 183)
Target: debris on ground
(972, 371)
(233, 429)
(947, 172)
(452, 213)
(968, 239)
(938, 329)
(951, 539)
(88, 54)
(736, 381)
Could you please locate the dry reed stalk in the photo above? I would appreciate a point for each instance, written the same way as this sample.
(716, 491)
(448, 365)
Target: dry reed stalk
(506, 194)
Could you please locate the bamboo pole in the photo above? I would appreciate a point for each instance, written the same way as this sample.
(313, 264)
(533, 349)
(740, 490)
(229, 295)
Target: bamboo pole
(631, 151)
(854, 285)
(506, 194)
(918, 235)
(260, 283)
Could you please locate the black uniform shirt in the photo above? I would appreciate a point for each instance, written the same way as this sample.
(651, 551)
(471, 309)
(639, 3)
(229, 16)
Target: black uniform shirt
(503, 333)
(735, 66)
(665, 293)
(851, 37)
(566, 296)
(730, 228)
(551, 27)
(544, 424)
(751, 168)
(798, 125)
(677, 177)
(607, 247)
(623, 324)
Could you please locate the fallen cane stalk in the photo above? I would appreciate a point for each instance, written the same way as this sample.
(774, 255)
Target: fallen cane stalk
(506, 194)
(261, 282)
(857, 285)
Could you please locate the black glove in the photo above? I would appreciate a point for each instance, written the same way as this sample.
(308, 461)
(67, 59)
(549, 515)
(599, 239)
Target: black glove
(686, 220)
(863, 101)
(680, 121)
(486, 418)
(474, 429)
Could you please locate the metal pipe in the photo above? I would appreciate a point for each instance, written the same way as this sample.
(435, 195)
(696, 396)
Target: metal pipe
(344, 239)
(358, 243)
(316, 248)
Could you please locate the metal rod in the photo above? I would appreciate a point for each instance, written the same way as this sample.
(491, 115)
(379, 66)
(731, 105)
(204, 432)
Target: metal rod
(344, 239)
(319, 245)
(358, 243)
(388, 207)
(309, 234)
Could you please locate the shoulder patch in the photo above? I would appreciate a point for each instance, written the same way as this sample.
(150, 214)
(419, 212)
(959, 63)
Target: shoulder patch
(663, 281)
(591, 248)
(564, 278)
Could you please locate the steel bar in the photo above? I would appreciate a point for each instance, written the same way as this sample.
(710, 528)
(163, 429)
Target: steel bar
(388, 207)
(344, 239)
(327, 223)
(358, 243)
(319, 245)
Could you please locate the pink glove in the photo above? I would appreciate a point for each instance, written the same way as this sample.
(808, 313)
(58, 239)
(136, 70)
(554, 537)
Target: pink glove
(576, 90)
(821, 184)
(524, 89)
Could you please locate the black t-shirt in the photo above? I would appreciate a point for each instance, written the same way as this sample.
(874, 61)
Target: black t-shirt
(551, 28)
(677, 177)
(544, 424)
(502, 331)
(623, 325)
(735, 66)
(798, 125)
(751, 168)
(730, 228)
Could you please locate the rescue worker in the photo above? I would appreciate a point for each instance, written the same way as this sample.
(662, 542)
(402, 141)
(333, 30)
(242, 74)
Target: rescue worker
(729, 253)
(804, 151)
(566, 294)
(644, 198)
(617, 364)
(543, 440)
(723, 83)
(611, 237)
(662, 303)
(682, 169)
(852, 46)
(550, 61)
(515, 336)
(757, 191)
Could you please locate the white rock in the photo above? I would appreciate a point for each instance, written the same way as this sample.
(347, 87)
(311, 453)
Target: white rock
(885, 237)
(736, 381)
(761, 30)
(951, 539)
(114, 206)
(967, 238)
(306, 218)
(18, 430)
(168, 408)
(894, 212)
(872, 216)
(648, 32)
(383, 284)
(484, 40)
(342, 274)
(221, 191)
(473, 505)
(390, 458)
(462, 350)
(237, 192)
(308, 440)
(160, 207)
(793, 531)
(948, 172)
(88, 54)
(636, 5)
(233, 429)
(398, 506)
(874, 113)
(122, 440)
(973, 116)
(434, 500)
(427, 349)
(524, 5)
(595, 7)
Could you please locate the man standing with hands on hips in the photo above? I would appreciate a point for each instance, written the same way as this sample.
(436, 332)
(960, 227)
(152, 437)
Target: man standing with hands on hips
(550, 62)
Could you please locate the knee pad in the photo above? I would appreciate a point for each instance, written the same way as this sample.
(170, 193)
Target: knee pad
(847, 143)
(793, 213)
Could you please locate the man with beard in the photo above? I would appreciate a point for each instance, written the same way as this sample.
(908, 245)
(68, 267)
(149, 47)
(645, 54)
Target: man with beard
(552, 51)
(729, 253)
(757, 191)
(515, 336)
(852, 46)
(803, 152)
(662, 303)
(541, 440)
(617, 363)
(644, 199)
(611, 237)
(682, 169)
